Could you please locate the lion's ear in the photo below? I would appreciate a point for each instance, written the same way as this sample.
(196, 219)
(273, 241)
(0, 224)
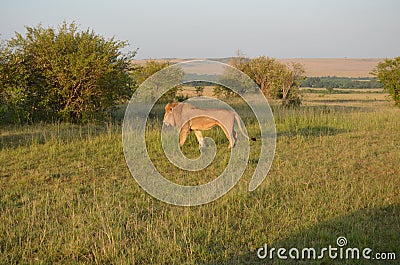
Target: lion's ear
(172, 105)
(168, 106)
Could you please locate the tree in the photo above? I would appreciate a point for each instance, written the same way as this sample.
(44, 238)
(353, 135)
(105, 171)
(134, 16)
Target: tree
(232, 78)
(198, 90)
(276, 80)
(222, 91)
(291, 77)
(388, 74)
(64, 73)
(170, 75)
(143, 71)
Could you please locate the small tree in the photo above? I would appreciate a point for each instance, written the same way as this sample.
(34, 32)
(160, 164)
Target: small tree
(171, 75)
(291, 77)
(265, 72)
(276, 80)
(64, 73)
(234, 79)
(388, 74)
(199, 90)
(143, 71)
(223, 92)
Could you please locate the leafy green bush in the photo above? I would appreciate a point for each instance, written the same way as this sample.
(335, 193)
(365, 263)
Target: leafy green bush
(63, 74)
(388, 73)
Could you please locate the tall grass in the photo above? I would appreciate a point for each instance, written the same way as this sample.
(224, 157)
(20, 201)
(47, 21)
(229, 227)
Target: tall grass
(66, 195)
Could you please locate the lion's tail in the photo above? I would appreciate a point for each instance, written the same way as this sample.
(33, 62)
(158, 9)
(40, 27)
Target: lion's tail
(241, 129)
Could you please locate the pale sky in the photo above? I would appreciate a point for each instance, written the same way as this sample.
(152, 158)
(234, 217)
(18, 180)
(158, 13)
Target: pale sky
(218, 28)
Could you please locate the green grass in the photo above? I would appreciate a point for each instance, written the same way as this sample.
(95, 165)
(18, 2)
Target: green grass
(66, 195)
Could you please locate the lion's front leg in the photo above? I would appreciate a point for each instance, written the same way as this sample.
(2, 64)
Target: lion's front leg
(200, 138)
(183, 134)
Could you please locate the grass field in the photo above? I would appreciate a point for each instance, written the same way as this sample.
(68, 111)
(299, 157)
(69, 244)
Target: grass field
(66, 195)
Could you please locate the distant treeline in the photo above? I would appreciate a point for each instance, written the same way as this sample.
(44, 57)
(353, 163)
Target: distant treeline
(200, 83)
(329, 82)
(332, 82)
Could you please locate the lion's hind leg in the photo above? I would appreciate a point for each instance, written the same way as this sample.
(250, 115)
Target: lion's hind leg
(230, 136)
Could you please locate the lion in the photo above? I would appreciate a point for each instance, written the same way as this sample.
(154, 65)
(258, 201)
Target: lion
(186, 117)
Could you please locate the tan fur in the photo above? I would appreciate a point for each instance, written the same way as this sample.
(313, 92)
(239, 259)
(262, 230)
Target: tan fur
(186, 117)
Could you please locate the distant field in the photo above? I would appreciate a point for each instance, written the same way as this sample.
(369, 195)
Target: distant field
(67, 197)
(343, 67)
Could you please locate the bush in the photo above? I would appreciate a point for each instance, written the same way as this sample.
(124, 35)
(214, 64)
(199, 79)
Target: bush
(63, 74)
(388, 74)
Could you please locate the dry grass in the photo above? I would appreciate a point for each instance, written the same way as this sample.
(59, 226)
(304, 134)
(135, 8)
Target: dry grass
(367, 98)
